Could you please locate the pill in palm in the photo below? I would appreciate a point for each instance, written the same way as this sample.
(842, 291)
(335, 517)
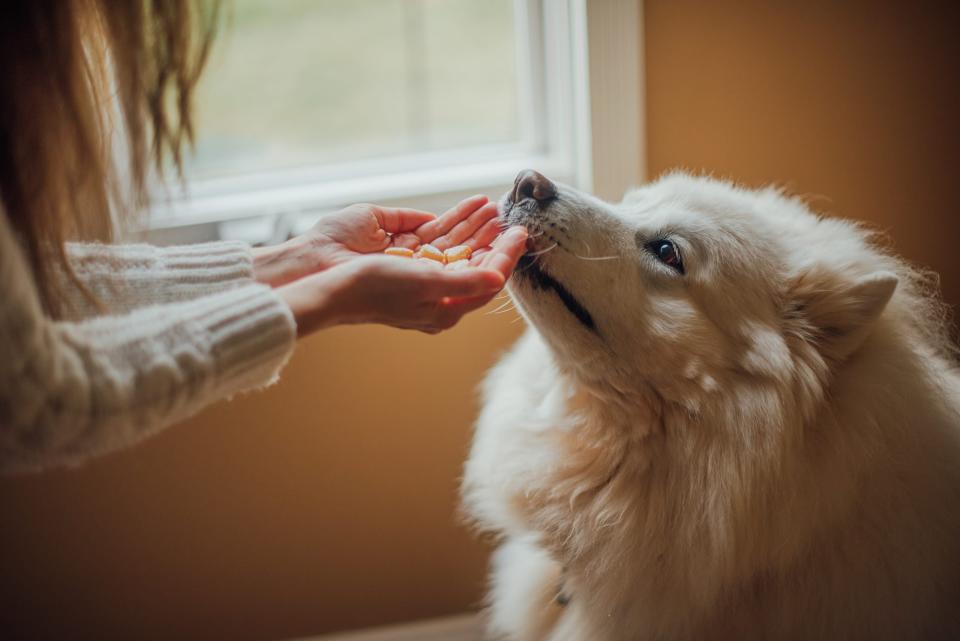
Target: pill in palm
(431, 252)
(460, 252)
(455, 258)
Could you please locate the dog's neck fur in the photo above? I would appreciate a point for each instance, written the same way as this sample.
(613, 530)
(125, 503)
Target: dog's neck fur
(630, 463)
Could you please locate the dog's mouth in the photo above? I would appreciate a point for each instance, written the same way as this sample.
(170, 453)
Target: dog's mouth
(528, 268)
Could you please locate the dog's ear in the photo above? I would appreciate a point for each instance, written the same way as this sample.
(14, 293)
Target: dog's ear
(834, 313)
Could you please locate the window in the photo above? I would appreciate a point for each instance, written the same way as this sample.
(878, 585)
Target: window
(310, 105)
(299, 83)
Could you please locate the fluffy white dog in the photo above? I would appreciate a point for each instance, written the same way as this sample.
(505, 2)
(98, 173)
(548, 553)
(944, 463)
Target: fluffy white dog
(730, 419)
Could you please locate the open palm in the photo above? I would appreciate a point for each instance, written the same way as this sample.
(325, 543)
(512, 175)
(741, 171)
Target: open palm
(336, 273)
(365, 229)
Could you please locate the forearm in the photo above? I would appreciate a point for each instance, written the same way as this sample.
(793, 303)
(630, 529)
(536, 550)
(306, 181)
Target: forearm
(70, 390)
(73, 390)
(286, 262)
(127, 277)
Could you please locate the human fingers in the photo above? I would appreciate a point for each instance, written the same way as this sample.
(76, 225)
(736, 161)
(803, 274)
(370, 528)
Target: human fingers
(450, 312)
(433, 229)
(464, 233)
(407, 240)
(480, 241)
(441, 284)
(478, 256)
(506, 251)
(466, 228)
(395, 220)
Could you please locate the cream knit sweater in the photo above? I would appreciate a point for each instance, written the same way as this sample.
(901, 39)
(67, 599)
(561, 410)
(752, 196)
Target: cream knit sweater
(186, 326)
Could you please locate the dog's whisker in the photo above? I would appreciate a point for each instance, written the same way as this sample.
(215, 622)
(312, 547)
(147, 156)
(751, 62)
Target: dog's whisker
(526, 267)
(542, 251)
(535, 257)
(503, 311)
(509, 303)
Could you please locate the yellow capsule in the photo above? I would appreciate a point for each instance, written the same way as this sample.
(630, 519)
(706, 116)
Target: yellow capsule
(431, 252)
(399, 251)
(460, 252)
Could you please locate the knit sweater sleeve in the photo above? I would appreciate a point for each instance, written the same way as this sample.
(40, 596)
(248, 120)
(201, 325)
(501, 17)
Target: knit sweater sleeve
(73, 390)
(130, 276)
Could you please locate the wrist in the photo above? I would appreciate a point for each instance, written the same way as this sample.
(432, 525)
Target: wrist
(317, 300)
(286, 262)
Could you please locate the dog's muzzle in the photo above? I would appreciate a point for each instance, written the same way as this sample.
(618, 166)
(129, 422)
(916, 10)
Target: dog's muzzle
(532, 192)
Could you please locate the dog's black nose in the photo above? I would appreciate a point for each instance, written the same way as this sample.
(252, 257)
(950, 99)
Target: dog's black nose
(533, 184)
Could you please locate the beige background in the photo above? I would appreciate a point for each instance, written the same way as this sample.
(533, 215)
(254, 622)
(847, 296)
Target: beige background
(854, 104)
(328, 501)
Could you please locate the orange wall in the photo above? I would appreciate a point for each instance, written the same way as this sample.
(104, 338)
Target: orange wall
(854, 104)
(327, 502)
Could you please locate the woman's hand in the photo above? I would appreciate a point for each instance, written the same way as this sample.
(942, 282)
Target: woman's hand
(366, 229)
(405, 293)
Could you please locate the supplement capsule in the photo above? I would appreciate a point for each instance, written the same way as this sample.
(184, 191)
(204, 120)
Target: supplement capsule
(458, 264)
(460, 252)
(399, 251)
(431, 252)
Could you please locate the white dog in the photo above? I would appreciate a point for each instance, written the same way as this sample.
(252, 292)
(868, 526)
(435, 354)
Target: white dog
(730, 419)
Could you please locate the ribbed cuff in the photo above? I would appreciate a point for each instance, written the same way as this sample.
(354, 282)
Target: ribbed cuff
(215, 265)
(251, 333)
(127, 277)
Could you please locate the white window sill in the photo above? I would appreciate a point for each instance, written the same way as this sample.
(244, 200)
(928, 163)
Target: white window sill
(289, 207)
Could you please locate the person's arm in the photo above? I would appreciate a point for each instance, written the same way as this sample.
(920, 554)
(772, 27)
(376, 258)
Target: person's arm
(72, 390)
(125, 277)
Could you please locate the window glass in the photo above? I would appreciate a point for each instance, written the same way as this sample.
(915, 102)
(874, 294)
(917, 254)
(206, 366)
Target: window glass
(294, 83)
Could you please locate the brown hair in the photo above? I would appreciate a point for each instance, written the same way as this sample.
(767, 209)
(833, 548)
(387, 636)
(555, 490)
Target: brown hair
(67, 68)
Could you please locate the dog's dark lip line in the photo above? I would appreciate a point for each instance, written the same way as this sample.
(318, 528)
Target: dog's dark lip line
(528, 268)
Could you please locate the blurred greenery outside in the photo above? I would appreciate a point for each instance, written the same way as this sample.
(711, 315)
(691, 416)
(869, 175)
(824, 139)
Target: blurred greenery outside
(295, 83)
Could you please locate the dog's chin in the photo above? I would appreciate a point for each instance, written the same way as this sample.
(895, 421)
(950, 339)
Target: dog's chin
(531, 275)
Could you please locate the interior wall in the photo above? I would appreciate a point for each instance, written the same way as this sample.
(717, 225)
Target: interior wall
(328, 501)
(853, 104)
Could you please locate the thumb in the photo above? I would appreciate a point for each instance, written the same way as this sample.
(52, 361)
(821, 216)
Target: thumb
(467, 283)
(506, 251)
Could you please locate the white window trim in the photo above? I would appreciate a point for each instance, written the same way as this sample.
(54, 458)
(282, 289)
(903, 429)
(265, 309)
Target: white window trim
(617, 117)
(587, 56)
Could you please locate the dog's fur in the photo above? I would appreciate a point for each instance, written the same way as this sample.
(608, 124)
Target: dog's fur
(766, 446)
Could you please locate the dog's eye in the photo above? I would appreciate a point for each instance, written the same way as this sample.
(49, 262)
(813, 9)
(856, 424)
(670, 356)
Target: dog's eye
(667, 253)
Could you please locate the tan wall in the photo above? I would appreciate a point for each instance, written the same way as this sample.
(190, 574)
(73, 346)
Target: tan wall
(854, 104)
(327, 501)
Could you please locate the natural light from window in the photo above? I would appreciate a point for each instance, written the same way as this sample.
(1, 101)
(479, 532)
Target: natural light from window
(293, 84)
(307, 106)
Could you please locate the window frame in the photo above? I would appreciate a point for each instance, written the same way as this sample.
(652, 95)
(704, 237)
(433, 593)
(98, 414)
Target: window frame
(582, 102)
